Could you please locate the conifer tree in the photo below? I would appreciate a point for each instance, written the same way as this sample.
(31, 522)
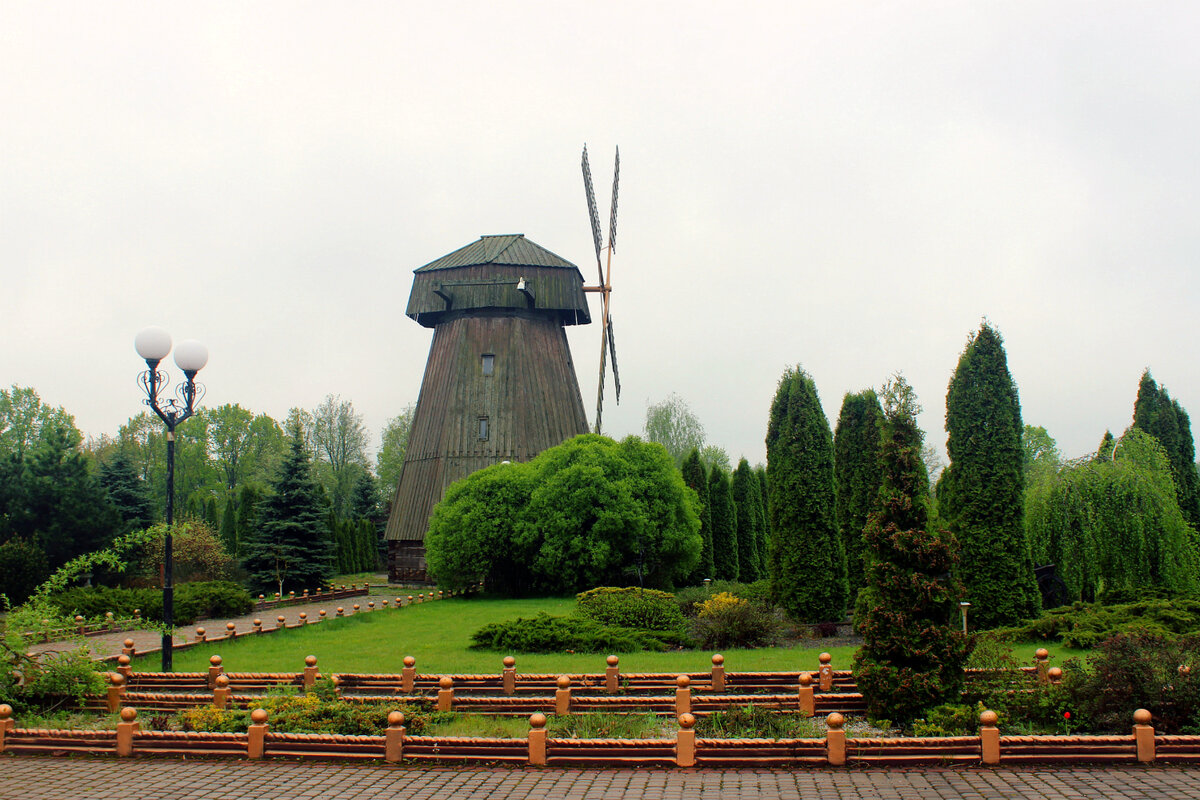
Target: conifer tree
(807, 562)
(724, 525)
(981, 493)
(764, 532)
(249, 497)
(229, 531)
(1164, 419)
(1105, 450)
(912, 656)
(127, 492)
(856, 469)
(696, 478)
(290, 547)
(745, 500)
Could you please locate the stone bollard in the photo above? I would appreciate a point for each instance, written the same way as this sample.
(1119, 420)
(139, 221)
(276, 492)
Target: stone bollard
(201, 635)
(508, 678)
(683, 695)
(7, 724)
(835, 739)
(230, 630)
(445, 696)
(303, 618)
(292, 595)
(718, 673)
(685, 742)
(108, 620)
(221, 693)
(258, 626)
(1143, 736)
(825, 672)
(989, 738)
(123, 666)
(125, 730)
(340, 612)
(394, 742)
(537, 739)
(116, 691)
(257, 733)
(808, 704)
(280, 623)
(128, 648)
(409, 675)
(137, 613)
(310, 672)
(612, 675)
(214, 669)
(305, 593)
(1042, 660)
(262, 599)
(562, 696)
(318, 592)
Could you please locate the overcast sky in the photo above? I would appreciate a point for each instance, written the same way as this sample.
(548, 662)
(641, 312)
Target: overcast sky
(847, 186)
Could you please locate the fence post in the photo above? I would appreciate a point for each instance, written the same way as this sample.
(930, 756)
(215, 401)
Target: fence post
(201, 636)
(718, 673)
(280, 622)
(370, 606)
(445, 698)
(256, 735)
(303, 618)
(383, 603)
(808, 705)
(835, 739)
(562, 696)
(116, 690)
(1143, 735)
(683, 695)
(409, 676)
(81, 624)
(685, 742)
(356, 607)
(128, 648)
(7, 725)
(123, 666)
(1042, 657)
(509, 677)
(989, 738)
(230, 630)
(537, 739)
(825, 672)
(214, 669)
(310, 672)
(221, 693)
(612, 675)
(399, 602)
(1055, 675)
(341, 612)
(394, 744)
(125, 730)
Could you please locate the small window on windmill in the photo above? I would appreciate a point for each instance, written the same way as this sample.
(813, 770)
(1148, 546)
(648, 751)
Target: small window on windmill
(483, 428)
(489, 363)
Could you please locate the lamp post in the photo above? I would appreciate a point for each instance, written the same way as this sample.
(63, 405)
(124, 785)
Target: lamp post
(963, 606)
(153, 344)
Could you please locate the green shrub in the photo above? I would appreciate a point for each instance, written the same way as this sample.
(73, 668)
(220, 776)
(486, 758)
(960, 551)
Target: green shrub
(22, 567)
(53, 680)
(548, 634)
(315, 712)
(632, 607)
(949, 719)
(1085, 625)
(211, 599)
(728, 621)
(751, 722)
(758, 593)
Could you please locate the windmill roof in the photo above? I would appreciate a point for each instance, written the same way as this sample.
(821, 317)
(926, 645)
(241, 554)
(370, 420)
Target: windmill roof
(511, 249)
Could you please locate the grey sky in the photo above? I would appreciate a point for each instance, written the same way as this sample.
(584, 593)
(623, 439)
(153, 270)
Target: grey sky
(849, 186)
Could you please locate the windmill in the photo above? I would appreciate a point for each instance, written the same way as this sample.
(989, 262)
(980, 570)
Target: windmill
(608, 345)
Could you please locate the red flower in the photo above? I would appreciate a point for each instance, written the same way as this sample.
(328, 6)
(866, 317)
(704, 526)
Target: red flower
(1066, 715)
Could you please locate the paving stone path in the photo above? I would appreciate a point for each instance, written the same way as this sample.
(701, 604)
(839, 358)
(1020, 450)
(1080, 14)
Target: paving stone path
(43, 778)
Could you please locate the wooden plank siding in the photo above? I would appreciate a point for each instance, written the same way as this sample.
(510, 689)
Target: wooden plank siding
(557, 292)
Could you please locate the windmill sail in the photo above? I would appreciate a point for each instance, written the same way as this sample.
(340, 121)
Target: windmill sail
(612, 351)
(592, 213)
(607, 342)
(612, 216)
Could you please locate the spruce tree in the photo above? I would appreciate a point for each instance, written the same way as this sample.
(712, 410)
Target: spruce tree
(697, 479)
(807, 561)
(1105, 450)
(290, 547)
(127, 492)
(912, 656)
(745, 500)
(856, 469)
(724, 526)
(249, 498)
(1164, 419)
(981, 493)
(229, 526)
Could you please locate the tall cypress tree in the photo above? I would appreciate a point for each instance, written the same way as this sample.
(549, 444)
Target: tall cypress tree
(856, 470)
(724, 525)
(807, 562)
(745, 500)
(249, 498)
(229, 526)
(696, 478)
(1164, 419)
(981, 493)
(290, 547)
(764, 532)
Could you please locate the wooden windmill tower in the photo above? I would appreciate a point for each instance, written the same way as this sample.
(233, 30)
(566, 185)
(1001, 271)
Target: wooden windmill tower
(499, 383)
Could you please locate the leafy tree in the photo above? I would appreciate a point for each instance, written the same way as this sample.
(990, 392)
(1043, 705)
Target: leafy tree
(230, 440)
(23, 566)
(912, 658)
(724, 525)
(290, 546)
(672, 424)
(981, 493)
(24, 419)
(807, 561)
(696, 478)
(715, 456)
(392, 447)
(127, 492)
(748, 509)
(1164, 419)
(857, 473)
(340, 439)
(588, 512)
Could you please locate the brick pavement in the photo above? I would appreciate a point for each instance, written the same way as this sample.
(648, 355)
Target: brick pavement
(43, 778)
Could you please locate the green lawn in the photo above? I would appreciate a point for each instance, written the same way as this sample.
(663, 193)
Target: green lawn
(438, 634)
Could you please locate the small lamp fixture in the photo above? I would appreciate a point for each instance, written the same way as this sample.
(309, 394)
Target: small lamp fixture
(963, 606)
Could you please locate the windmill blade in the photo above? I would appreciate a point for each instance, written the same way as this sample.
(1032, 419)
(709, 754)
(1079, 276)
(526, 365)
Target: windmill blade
(600, 383)
(612, 351)
(592, 213)
(612, 217)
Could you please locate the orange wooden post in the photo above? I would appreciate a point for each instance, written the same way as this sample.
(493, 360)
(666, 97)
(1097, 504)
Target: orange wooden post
(201, 636)
(321, 614)
(221, 693)
(410, 599)
(303, 618)
(508, 678)
(125, 730)
(7, 724)
(123, 666)
(835, 739)
(81, 624)
(1042, 659)
(116, 690)
(1054, 675)
(310, 672)
(685, 742)
(356, 606)
(808, 705)
(258, 625)
(683, 695)
(383, 603)
(989, 738)
(341, 612)
(1143, 735)
(256, 738)
(399, 602)
(230, 630)
(445, 697)
(394, 737)
(214, 669)
(537, 739)
(305, 595)
(718, 673)
(409, 675)
(370, 606)
(825, 672)
(562, 696)
(612, 675)
(280, 622)
(128, 648)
